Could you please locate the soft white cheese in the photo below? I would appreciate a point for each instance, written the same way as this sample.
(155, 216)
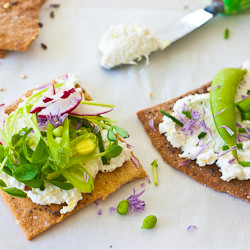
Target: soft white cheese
(125, 44)
(209, 155)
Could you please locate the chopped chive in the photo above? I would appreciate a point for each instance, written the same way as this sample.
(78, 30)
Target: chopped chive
(202, 135)
(154, 165)
(242, 130)
(225, 147)
(187, 114)
(226, 33)
(248, 92)
(172, 118)
(244, 163)
(101, 147)
(239, 145)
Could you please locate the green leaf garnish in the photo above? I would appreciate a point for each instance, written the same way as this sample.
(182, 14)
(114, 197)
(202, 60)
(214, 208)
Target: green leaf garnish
(239, 145)
(172, 118)
(122, 132)
(114, 151)
(111, 135)
(225, 147)
(62, 185)
(41, 152)
(2, 183)
(15, 192)
(25, 172)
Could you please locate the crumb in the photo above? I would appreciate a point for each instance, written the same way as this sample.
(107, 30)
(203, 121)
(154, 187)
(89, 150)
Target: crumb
(54, 5)
(52, 14)
(6, 5)
(1, 89)
(23, 76)
(110, 246)
(186, 7)
(150, 95)
(40, 25)
(44, 46)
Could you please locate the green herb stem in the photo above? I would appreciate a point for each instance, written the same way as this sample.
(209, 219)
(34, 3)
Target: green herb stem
(226, 33)
(154, 165)
(98, 104)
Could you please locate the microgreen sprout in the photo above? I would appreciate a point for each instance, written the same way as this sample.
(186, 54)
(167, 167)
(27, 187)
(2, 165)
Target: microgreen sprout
(154, 165)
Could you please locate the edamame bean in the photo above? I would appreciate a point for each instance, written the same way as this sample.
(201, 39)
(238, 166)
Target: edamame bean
(149, 222)
(122, 207)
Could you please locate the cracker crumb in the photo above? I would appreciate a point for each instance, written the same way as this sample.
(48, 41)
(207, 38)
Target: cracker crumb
(6, 5)
(52, 14)
(150, 95)
(1, 89)
(40, 25)
(23, 76)
(55, 5)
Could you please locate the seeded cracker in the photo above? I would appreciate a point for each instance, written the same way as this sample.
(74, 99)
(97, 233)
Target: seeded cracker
(34, 218)
(19, 24)
(2, 53)
(208, 175)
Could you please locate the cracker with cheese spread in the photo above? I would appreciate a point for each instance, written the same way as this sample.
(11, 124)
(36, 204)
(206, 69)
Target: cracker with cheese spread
(184, 132)
(67, 173)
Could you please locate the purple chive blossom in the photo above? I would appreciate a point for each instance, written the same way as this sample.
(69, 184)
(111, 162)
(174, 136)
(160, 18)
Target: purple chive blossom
(142, 185)
(135, 161)
(78, 124)
(86, 177)
(247, 130)
(151, 124)
(195, 114)
(43, 87)
(112, 209)
(230, 131)
(231, 161)
(227, 151)
(99, 212)
(66, 76)
(191, 228)
(244, 97)
(238, 125)
(42, 123)
(185, 162)
(239, 136)
(57, 120)
(135, 203)
(220, 112)
(147, 179)
(215, 87)
(129, 145)
(96, 130)
(202, 147)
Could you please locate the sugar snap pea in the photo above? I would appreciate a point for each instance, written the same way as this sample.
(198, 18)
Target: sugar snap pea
(222, 94)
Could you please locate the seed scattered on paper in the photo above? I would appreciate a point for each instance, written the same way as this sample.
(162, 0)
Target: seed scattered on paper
(23, 76)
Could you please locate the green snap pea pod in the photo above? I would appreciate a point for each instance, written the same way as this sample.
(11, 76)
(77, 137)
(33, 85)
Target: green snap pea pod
(222, 96)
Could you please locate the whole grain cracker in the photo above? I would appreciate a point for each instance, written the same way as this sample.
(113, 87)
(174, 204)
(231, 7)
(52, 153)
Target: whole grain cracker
(208, 175)
(34, 218)
(19, 24)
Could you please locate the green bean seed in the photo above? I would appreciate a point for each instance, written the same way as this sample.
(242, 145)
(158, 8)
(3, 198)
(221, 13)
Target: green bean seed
(149, 222)
(122, 207)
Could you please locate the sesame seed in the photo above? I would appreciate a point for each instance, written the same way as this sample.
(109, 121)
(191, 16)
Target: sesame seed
(6, 5)
(54, 5)
(52, 14)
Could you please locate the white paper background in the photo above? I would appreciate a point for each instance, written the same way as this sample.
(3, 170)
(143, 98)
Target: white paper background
(178, 201)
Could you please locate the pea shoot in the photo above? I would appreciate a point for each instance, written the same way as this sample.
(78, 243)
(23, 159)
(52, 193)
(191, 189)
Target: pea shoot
(154, 165)
(149, 222)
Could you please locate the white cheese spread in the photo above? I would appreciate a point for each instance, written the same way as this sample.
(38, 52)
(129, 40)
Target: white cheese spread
(125, 44)
(208, 150)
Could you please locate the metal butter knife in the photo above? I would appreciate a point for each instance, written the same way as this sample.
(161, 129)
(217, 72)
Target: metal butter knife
(190, 22)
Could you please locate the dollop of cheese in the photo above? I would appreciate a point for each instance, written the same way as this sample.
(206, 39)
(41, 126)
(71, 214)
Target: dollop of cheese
(125, 44)
(211, 153)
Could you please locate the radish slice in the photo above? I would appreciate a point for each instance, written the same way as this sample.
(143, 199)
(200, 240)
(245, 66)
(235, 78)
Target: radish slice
(64, 105)
(2, 113)
(89, 110)
(44, 101)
